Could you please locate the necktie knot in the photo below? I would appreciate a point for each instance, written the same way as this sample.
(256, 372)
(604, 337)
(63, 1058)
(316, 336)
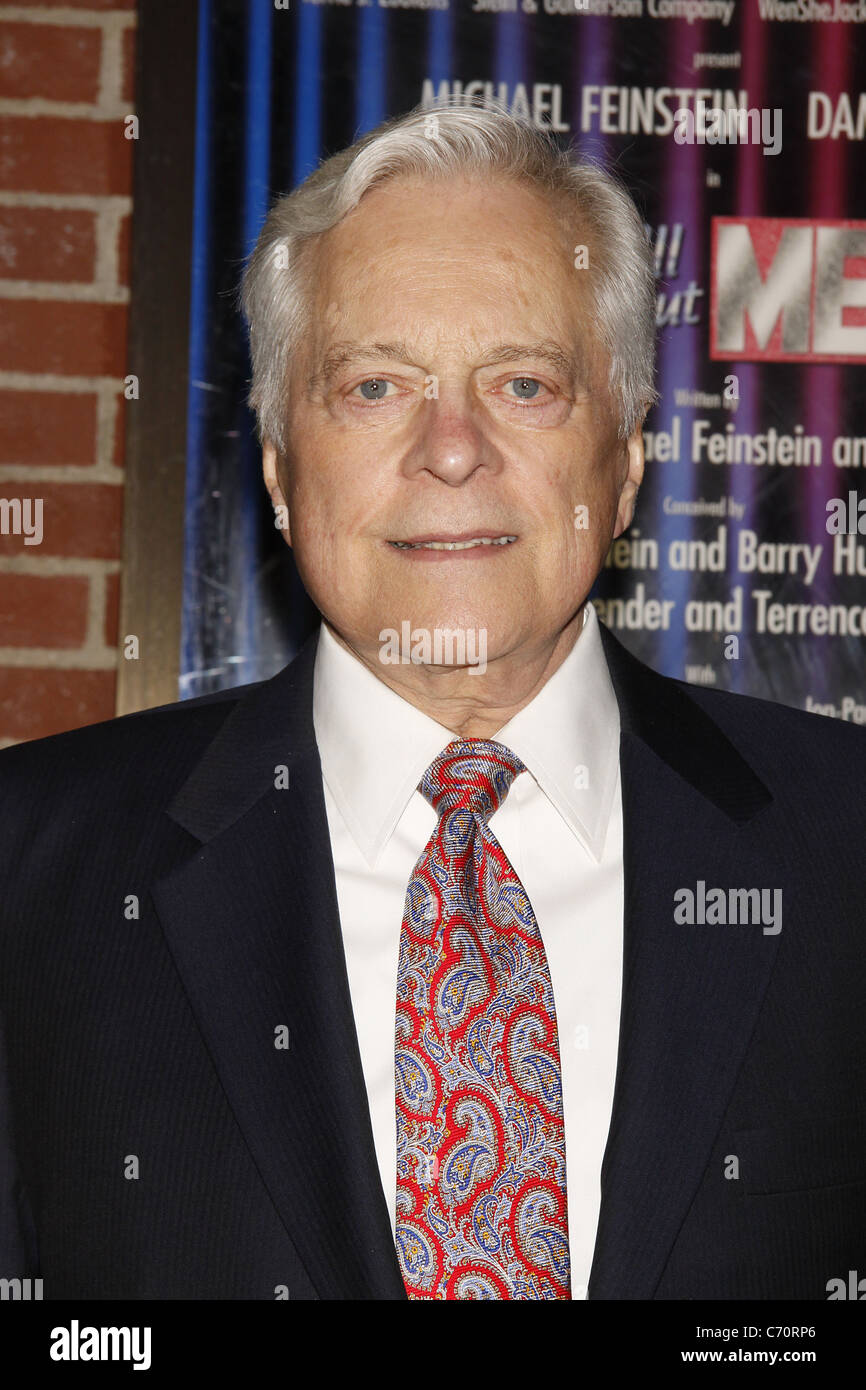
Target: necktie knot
(474, 773)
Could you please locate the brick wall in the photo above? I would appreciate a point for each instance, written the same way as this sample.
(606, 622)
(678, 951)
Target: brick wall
(66, 77)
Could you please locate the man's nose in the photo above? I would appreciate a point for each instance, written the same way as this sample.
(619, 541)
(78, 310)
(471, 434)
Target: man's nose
(451, 443)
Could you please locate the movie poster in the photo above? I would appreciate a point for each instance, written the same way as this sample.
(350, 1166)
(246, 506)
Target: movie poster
(739, 126)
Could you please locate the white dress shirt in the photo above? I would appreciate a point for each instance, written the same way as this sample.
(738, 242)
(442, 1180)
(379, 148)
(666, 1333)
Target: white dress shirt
(563, 839)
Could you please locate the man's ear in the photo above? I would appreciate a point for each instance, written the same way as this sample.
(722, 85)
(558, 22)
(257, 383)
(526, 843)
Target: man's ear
(632, 481)
(271, 473)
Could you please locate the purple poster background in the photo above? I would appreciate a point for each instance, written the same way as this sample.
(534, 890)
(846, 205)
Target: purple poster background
(744, 567)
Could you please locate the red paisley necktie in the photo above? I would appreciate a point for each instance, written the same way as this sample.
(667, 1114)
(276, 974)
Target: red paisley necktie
(481, 1201)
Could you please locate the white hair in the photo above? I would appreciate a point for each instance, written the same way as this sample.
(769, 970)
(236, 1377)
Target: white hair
(448, 140)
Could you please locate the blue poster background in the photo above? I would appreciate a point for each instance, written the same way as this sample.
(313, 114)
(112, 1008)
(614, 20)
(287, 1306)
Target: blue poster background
(725, 543)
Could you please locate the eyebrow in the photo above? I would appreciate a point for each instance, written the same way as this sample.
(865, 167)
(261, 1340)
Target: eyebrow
(546, 350)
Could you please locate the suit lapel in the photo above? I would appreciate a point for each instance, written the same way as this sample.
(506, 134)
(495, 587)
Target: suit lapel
(690, 992)
(253, 925)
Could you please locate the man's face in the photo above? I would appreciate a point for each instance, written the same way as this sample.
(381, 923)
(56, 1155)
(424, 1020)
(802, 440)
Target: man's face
(451, 390)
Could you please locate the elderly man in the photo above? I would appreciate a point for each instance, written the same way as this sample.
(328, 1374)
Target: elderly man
(466, 958)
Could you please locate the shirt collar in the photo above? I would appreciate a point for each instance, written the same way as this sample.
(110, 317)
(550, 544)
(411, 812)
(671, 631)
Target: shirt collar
(375, 746)
(568, 738)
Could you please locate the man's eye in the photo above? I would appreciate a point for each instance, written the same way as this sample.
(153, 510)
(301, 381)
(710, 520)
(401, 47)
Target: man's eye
(374, 388)
(526, 387)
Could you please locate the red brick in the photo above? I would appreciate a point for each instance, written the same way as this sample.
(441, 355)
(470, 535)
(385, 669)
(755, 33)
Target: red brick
(47, 427)
(49, 335)
(124, 240)
(82, 519)
(47, 244)
(43, 612)
(127, 88)
(54, 154)
(119, 455)
(112, 609)
(53, 61)
(37, 702)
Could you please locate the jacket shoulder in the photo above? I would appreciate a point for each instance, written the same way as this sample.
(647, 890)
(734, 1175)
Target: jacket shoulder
(773, 716)
(138, 758)
(204, 713)
(792, 750)
(771, 736)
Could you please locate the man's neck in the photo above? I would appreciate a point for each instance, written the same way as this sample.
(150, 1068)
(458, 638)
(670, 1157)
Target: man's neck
(474, 705)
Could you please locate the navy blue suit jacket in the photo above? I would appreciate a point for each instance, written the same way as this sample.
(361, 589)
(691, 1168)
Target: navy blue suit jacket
(164, 907)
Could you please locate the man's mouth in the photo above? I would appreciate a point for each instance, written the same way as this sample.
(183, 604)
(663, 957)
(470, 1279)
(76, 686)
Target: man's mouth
(463, 543)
